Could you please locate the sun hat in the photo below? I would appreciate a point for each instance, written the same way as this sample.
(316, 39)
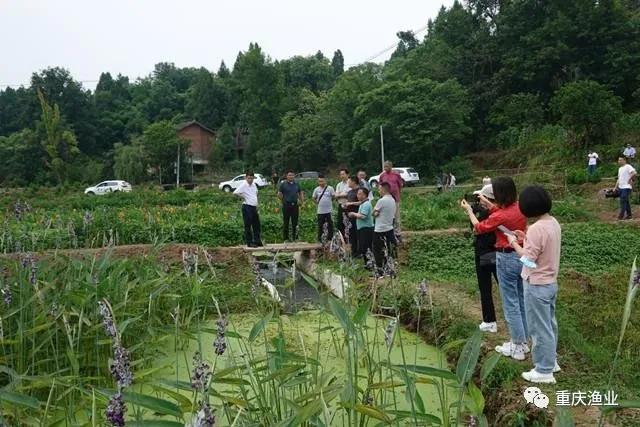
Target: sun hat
(486, 191)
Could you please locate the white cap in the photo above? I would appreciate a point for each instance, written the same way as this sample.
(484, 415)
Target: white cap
(486, 191)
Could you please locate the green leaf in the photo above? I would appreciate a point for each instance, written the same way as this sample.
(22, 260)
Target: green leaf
(312, 408)
(475, 400)
(563, 418)
(428, 370)
(160, 406)
(259, 326)
(184, 401)
(282, 373)
(400, 415)
(341, 314)
(233, 381)
(469, 358)
(19, 399)
(73, 360)
(232, 334)
(488, 365)
(453, 344)
(361, 314)
(372, 412)
(310, 280)
(385, 384)
(621, 404)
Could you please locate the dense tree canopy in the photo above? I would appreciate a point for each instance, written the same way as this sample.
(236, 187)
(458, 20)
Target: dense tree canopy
(486, 73)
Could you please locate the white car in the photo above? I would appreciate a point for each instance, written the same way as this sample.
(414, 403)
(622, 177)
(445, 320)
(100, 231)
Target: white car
(408, 175)
(232, 184)
(108, 187)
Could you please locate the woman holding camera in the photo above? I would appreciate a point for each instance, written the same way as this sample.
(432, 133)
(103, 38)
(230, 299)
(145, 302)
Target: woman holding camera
(485, 257)
(505, 213)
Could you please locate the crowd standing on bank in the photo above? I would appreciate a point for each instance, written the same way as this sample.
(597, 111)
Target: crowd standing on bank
(516, 242)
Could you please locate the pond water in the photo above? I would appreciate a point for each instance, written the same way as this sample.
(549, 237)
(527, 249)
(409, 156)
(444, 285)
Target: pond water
(312, 334)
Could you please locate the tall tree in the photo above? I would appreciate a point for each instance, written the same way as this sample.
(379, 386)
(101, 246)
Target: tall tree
(337, 63)
(424, 122)
(588, 110)
(59, 144)
(208, 100)
(258, 86)
(58, 87)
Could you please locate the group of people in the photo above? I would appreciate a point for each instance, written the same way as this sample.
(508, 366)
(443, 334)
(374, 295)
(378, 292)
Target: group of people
(626, 177)
(445, 182)
(369, 229)
(525, 260)
(628, 152)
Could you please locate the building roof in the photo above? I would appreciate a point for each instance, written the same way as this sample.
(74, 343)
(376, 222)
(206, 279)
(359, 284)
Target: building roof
(196, 123)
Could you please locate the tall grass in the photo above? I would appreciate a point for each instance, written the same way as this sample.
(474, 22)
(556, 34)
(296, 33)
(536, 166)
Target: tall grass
(57, 362)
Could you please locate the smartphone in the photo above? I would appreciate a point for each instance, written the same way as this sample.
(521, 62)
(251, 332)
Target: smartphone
(506, 231)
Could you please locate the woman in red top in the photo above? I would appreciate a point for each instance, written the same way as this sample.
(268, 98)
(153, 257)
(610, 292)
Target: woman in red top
(506, 213)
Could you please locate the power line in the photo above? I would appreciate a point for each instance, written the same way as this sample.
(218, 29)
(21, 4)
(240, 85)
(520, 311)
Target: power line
(387, 49)
(369, 59)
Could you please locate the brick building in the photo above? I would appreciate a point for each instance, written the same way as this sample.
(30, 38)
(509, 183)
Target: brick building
(202, 140)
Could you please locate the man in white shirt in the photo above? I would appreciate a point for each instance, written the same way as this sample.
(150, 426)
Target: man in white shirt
(592, 162)
(452, 180)
(341, 196)
(248, 192)
(383, 237)
(626, 174)
(629, 152)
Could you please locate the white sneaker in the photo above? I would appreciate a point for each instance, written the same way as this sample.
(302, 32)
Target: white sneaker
(505, 348)
(488, 327)
(556, 367)
(516, 351)
(536, 377)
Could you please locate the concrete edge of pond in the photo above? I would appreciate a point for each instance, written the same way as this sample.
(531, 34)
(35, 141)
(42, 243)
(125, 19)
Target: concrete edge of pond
(337, 284)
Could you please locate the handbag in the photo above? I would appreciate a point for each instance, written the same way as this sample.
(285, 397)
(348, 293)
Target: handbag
(487, 260)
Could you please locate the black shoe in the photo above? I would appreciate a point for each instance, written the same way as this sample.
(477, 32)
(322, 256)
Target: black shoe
(259, 245)
(252, 245)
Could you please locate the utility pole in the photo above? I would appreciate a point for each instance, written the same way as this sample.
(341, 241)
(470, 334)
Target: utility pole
(178, 169)
(382, 146)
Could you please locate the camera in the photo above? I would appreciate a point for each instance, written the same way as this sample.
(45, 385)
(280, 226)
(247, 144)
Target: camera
(611, 193)
(474, 202)
(472, 198)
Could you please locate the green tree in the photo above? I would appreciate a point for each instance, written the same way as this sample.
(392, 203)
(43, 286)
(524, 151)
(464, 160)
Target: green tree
(22, 156)
(207, 100)
(258, 88)
(74, 103)
(305, 142)
(517, 110)
(424, 122)
(59, 144)
(337, 111)
(130, 161)
(161, 143)
(588, 110)
(337, 63)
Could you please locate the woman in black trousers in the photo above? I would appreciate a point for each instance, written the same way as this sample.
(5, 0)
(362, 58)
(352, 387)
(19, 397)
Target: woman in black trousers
(485, 260)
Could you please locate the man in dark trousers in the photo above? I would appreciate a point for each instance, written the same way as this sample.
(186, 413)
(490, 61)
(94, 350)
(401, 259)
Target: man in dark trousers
(395, 185)
(248, 192)
(290, 193)
(384, 240)
(352, 205)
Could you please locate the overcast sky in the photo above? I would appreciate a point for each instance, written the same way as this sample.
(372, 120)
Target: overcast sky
(130, 36)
